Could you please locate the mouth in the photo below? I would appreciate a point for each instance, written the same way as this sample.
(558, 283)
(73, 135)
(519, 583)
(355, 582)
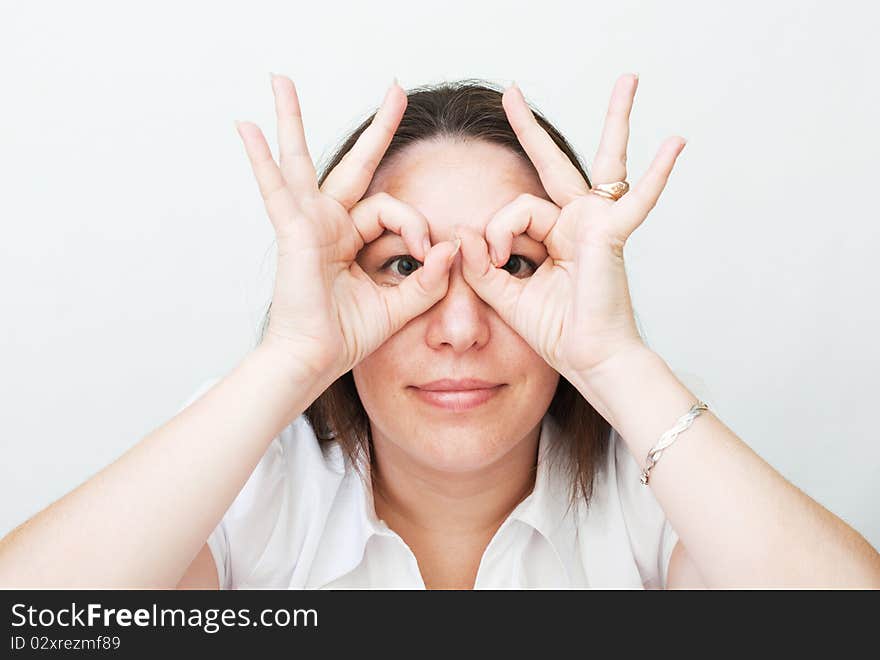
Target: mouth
(457, 400)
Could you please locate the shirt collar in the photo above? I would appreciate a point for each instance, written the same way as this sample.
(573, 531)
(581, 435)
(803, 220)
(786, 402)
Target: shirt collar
(545, 507)
(353, 520)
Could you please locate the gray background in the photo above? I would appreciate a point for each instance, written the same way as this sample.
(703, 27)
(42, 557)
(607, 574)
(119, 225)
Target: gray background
(136, 258)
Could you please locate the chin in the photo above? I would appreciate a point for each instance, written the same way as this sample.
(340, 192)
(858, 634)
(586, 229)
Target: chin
(458, 448)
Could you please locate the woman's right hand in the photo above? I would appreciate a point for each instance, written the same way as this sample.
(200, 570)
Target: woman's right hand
(326, 312)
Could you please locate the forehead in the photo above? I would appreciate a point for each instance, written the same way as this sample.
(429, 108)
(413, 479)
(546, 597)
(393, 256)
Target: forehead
(455, 182)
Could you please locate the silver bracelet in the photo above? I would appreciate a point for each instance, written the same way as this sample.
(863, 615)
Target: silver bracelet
(684, 422)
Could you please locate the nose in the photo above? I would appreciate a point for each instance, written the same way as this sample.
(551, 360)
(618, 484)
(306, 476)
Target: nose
(461, 318)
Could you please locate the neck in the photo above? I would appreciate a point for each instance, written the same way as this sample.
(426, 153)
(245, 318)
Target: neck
(410, 496)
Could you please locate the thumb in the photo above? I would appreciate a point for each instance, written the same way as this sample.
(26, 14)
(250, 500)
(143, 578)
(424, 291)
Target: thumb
(420, 291)
(494, 285)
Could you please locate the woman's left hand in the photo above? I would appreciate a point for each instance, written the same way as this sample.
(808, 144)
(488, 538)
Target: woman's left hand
(575, 310)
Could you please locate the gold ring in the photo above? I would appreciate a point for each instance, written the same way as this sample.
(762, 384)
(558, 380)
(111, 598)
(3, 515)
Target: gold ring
(612, 191)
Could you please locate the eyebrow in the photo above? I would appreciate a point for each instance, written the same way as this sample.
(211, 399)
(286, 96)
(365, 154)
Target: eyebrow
(369, 247)
(519, 238)
(384, 234)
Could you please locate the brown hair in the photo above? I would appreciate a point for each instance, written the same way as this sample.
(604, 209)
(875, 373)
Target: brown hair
(463, 110)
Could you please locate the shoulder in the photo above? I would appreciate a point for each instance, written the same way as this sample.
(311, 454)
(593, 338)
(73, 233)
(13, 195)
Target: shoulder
(295, 465)
(284, 500)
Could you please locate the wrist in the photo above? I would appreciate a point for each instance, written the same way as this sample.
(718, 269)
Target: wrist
(305, 359)
(293, 366)
(603, 374)
(622, 373)
(638, 394)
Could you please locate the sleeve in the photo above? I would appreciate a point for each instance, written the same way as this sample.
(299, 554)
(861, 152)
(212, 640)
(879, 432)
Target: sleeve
(241, 538)
(218, 544)
(641, 499)
(668, 541)
(652, 537)
(218, 541)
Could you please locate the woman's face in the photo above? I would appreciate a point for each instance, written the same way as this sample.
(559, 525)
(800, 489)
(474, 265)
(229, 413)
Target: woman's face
(461, 336)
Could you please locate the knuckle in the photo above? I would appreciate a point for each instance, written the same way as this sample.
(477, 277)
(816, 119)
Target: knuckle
(582, 203)
(276, 199)
(525, 199)
(606, 160)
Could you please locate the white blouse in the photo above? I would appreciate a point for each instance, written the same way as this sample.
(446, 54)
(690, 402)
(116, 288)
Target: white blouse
(305, 521)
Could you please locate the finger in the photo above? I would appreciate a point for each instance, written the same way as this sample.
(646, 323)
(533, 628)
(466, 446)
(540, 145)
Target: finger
(527, 214)
(560, 177)
(293, 152)
(494, 285)
(373, 215)
(350, 179)
(420, 291)
(610, 162)
(268, 176)
(632, 209)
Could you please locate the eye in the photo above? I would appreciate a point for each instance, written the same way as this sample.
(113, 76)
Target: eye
(406, 259)
(514, 258)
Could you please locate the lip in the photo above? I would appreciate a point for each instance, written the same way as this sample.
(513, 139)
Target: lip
(457, 400)
(457, 385)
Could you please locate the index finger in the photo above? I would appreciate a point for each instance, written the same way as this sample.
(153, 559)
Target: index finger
(559, 176)
(350, 179)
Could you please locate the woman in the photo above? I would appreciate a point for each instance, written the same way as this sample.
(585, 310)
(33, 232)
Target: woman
(488, 416)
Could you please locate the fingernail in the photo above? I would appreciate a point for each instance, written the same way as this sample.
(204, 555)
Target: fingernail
(455, 251)
(494, 256)
(388, 91)
(426, 243)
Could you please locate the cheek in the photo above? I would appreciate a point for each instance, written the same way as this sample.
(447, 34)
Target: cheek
(545, 379)
(540, 376)
(377, 375)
